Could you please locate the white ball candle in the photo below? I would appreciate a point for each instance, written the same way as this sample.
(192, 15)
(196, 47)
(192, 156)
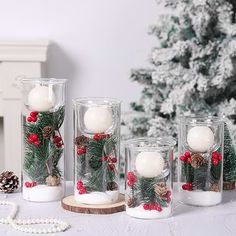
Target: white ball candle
(200, 138)
(41, 98)
(149, 164)
(98, 119)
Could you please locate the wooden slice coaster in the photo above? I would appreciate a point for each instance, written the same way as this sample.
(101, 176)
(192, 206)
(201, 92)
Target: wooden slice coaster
(69, 204)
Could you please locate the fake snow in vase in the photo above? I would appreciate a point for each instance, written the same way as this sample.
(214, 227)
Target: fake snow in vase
(96, 140)
(148, 192)
(201, 160)
(43, 160)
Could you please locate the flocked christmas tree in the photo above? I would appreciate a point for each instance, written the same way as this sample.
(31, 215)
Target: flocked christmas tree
(193, 71)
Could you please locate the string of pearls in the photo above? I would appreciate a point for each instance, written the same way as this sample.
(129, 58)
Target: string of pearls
(59, 226)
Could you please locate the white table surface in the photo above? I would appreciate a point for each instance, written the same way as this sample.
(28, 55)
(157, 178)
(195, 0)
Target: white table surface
(187, 221)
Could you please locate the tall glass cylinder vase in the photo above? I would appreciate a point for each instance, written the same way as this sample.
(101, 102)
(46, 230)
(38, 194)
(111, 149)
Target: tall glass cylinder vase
(96, 150)
(149, 164)
(43, 114)
(201, 141)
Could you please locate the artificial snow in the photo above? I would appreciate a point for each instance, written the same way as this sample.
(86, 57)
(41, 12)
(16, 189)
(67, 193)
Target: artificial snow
(139, 212)
(43, 193)
(200, 198)
(97, 198)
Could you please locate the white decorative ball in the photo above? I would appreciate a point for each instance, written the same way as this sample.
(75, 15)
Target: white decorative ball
(41, 98)
(200, 138)
(149, 164)
(98, 119)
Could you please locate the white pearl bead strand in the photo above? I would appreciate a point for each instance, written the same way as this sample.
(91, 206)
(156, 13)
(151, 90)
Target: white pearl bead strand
(59, 225)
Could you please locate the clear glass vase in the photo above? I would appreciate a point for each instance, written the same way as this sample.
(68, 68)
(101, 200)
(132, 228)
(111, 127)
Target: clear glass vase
(96, 150)
(43, 114)
(201, 141)
(148, 188)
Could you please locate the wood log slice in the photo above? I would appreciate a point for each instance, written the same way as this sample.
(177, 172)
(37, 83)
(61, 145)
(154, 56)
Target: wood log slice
(69, 204)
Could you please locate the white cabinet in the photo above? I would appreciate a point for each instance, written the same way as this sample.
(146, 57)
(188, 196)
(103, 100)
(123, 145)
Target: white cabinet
(16, 59)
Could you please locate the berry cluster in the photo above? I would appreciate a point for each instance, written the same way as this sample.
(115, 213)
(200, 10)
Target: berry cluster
(81, 150)
(186, 157)
(131, 179)
(33, 139)
(188, 186)
(168, 196)
(57, 140)
(215, 158)
(102, 136)
(153, 206)
(33, 116)
(111, 162)
(30, 184)
(81, 188)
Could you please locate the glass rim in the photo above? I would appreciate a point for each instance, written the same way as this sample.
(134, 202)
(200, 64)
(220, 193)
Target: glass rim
(43, 80)
(203, 119)
(91, 100)
(163, 142)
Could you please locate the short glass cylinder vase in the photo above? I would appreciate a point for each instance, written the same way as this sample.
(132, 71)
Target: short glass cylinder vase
(200, 145)
(96, 150)
(148, 187)
(43, 114)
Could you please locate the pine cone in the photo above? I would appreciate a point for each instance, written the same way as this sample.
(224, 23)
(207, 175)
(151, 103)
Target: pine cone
(131, 202)
(52, 180)
(8, 182)
(112, 186)
(81, 141)
(161, 189)
(215, 187)
(197, 160)
(47, 131)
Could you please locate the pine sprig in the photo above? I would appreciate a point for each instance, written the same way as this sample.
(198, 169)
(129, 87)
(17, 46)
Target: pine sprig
(42, 160)
(92, 169)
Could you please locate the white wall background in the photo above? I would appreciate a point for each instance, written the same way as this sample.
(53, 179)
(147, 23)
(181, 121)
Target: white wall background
(95, 44)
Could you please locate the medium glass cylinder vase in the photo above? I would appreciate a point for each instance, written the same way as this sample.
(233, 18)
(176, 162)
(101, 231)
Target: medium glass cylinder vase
(149, 183)
(96, 150)
(43, 114)
(201, 141)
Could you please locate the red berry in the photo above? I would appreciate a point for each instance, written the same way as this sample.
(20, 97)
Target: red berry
(146, 206)
(33, 119)
(168, 193)
(34, 137)
(57, 139)
(130, 183)
(219, 157)
(30, 140)
(59, 145)
(130, 174)
(79, 184)
(108, 136)
(114, 160)
(96, 137)
(82, 190)
(29, 119)
(27, 184)
(131, 177)
(104, 158)
(81, 151)
(34, 183)
(215, 155)
(189, 160)
(111, 167)
(168, 200)
(183, 158)
(36, 143)
(187, 154)
(102, 136)
(33, 113)
(159, 208)
(153, 206)
(185, 187)
(215, 162)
